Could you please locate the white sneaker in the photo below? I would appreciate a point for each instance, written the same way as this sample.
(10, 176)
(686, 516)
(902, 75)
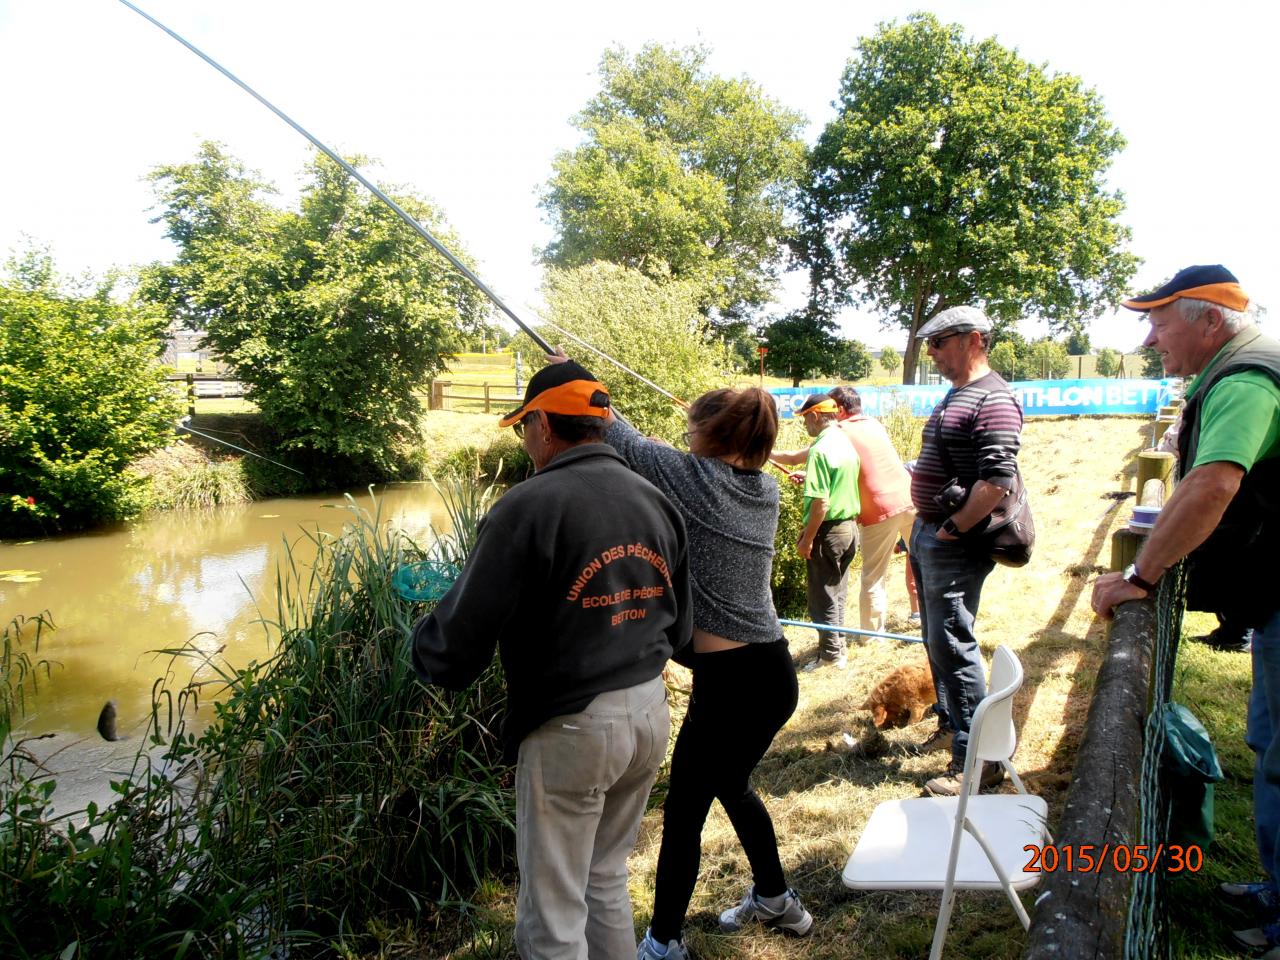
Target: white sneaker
(840, 663)
(792, 917)
(648, 949)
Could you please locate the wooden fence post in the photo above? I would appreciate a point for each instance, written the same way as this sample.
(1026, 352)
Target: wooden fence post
(486, 396)
(438, 387)
(1156, 465)
(191, 394)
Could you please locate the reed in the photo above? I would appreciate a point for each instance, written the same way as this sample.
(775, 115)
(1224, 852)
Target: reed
(331, 793)
(199, 486)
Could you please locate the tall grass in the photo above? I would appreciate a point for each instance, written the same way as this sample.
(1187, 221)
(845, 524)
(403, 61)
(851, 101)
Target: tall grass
(198, 486)
(330, 793)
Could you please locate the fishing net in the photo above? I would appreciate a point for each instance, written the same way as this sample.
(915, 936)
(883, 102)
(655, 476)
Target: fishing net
(426, 581)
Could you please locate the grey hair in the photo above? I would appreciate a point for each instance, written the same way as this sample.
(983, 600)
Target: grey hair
(1232, 320)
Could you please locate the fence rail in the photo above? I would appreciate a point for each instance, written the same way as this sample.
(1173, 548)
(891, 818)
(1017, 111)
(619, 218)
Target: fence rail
(444, 392)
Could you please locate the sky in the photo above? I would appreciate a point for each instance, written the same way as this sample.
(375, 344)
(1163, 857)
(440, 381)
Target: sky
(468, 104)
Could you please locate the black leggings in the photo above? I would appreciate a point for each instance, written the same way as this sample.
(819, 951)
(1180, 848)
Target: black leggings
(741, 699)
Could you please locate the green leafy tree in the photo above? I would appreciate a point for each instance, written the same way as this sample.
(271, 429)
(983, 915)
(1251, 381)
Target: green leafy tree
(1078, 344)
(1049, 359)
(682, 174)
(958, 173)
(653, 328)
(1004, 359)
(855, 360)
(889, 358)
(82, 395)
(801, 345)
(1152, 365)
(1108, 362)
(334, 315)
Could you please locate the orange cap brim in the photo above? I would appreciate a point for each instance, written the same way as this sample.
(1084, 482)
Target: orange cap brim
(1227, 295)
(572, 399)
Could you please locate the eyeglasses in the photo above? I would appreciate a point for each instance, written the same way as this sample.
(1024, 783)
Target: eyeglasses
(937, 342)
(518, 427)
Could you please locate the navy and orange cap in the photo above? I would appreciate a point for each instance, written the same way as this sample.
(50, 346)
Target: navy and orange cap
(565, 388)
(1212, 283)
(818, 403)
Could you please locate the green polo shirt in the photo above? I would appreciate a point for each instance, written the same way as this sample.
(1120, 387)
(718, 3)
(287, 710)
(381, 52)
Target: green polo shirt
(831, 474)
(1240, 419)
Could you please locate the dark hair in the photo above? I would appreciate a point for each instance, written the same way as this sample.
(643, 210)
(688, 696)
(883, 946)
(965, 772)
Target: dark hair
(986, 341)
(846, 399)
(572, 429)
(737, 423)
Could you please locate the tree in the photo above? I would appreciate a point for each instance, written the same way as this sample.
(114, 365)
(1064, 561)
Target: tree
(653, 328)
(683, 174)
(334, 315)
(1078, 344)
(956, 173)
(82, 395)
(1049, 359)
(1004, 359)
(801, 345)
(855, 360)
(1108, 362)
(1152, 365)
(889, 358)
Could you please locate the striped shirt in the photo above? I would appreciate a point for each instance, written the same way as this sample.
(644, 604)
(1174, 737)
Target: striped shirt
(981, 431)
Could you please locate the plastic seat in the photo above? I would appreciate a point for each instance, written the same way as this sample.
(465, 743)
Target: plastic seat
(969, 842)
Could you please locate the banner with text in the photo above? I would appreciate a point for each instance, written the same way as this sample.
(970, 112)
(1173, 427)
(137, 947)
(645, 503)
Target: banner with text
(1039, 398)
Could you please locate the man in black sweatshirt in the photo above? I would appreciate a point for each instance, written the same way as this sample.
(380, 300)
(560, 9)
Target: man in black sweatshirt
(579, 576)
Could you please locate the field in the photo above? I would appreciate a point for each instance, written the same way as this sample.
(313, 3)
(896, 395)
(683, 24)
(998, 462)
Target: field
(820, 797)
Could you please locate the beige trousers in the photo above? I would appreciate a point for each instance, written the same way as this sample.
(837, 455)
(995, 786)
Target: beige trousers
(582, 781)
(878, 541)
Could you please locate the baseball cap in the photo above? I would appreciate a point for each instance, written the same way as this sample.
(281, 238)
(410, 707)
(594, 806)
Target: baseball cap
(565, 388)
(957, 320)
(1213, 283)
(818, 403)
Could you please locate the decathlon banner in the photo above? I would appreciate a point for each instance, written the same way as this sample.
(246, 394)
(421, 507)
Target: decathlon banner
(1039, 398)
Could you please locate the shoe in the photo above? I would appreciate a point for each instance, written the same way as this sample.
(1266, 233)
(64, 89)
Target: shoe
(1259, 938)
(1258, 900)
(791, 917)
(948, 785)
(940, 739)
(914, 619)
(648, 949)
(840, 663)
(1231, 643)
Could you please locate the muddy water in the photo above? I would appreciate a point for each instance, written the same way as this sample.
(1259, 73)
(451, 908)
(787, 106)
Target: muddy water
(118, 595)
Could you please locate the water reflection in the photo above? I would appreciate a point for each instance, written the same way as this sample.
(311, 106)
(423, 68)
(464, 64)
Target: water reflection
(120, 594)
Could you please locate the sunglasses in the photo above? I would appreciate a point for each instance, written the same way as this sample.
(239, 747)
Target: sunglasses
(937, 342)
(518, 427)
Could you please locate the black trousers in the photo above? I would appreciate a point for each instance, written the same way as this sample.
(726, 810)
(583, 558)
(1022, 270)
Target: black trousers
(741, 699)
(827, 586)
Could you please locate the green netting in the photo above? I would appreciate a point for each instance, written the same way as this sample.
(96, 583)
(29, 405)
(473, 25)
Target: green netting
(1147, 929)
(427, 581)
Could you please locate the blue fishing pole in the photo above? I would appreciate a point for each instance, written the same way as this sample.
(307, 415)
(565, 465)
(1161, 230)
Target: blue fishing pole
(862, 633)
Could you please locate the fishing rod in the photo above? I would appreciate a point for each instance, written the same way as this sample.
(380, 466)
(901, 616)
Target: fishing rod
(417, 227)
(182, 425)
(831, 628)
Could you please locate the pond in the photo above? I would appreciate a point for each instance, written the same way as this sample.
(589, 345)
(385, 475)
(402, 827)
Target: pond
(120, 594)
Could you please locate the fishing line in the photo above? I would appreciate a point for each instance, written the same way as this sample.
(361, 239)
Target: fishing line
(183, 426)
(417, 227)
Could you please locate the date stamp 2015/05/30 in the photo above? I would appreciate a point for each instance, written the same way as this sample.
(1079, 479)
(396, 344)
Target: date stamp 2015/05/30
(1120, 857)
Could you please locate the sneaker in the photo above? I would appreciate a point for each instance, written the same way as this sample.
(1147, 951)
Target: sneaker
(791, 916)
(840, 663)
(948, 785)
(1231, 643)
(1259, 900)
(914, 619)
(649, 949)
(940, 739)
(1259, 938)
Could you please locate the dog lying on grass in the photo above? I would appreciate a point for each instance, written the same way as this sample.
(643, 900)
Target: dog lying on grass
(903, 697)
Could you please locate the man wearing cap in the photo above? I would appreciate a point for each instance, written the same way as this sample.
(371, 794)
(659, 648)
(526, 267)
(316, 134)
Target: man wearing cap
(1224, 518)
(579, 576)
(829, 540)
(967, 466)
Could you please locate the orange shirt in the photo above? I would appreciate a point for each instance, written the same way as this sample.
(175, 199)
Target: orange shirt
(884, 486)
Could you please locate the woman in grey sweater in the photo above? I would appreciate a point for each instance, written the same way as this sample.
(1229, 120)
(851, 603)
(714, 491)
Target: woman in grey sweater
(744, 681)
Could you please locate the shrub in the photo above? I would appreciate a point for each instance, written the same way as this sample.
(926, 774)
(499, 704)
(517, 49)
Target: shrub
(81, 396)
(1108, 362)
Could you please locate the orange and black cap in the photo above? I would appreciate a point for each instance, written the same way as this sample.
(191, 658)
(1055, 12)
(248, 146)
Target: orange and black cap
(1212, 283)
(818, 403)
(565, 388)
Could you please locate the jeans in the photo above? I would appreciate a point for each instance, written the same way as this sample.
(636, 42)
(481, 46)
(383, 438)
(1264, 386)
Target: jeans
(582, 781)
(1263, 737)
(949, 578)
(827, 584)
(741, 699)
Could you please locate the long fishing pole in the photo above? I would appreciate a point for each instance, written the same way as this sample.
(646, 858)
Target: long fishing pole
(182, 425)
(417, 227)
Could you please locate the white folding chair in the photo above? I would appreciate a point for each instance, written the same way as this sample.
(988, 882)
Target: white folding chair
(901, 845)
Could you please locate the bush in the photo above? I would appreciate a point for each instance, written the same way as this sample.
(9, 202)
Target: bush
(82, 395)
(1108, 362)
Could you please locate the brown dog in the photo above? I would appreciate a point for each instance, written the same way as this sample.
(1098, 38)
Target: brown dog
(902, 697)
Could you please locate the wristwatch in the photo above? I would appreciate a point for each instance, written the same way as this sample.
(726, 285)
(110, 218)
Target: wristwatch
(1131, 576)
(949, 525)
